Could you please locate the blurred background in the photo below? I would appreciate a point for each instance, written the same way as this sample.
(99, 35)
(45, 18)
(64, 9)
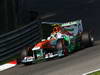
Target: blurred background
(17, 13)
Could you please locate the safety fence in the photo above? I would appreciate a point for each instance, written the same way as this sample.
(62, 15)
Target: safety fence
(13, 42)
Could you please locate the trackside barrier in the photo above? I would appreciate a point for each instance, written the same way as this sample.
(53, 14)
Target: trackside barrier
(13, 42)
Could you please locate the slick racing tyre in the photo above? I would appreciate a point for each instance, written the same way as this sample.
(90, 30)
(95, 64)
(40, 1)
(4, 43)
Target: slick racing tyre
(25, 52)
(87, 39)
(61, 46)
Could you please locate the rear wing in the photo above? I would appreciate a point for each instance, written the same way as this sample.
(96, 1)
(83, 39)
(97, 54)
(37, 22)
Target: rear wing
(64, 24)
(74, 26)
(78, 22)
(51, 23)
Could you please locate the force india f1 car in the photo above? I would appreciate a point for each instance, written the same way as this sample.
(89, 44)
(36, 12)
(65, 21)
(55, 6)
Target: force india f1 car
(64, 39)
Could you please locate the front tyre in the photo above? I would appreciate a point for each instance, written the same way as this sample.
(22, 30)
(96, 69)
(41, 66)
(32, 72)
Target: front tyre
(25, 52)
(22, 54)
(61, 47)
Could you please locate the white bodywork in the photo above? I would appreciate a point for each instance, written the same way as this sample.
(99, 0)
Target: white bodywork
(75, 25)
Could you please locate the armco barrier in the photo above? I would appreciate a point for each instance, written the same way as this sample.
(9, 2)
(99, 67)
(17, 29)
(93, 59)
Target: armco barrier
(12, 42)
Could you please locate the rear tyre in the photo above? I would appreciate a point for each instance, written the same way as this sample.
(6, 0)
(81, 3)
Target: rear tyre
(61, 47)
(87, 39)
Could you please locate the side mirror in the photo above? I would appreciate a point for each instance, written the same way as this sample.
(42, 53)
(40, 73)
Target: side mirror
(43, 39)
(48, 38)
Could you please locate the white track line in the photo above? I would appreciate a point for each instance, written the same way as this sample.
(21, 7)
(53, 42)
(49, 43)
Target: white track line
(8, 65)
(91, 72)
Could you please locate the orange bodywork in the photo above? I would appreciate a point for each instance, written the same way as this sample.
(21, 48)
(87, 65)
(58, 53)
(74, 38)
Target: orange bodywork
(44, 44)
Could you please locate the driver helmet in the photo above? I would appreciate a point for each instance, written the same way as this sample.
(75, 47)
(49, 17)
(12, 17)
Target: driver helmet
(56, 29)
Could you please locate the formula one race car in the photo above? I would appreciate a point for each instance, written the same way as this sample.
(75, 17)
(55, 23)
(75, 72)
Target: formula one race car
(64, 39)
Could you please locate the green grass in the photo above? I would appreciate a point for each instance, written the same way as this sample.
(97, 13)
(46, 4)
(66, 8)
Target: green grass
(95, 73)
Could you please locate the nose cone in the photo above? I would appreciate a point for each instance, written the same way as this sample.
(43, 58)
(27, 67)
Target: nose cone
(42, 43)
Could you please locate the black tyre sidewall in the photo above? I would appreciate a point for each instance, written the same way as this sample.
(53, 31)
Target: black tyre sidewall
(63, 47)
(22, 54)
(86, 39)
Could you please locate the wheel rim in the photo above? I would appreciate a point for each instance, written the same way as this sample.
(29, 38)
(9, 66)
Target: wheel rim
(92, 39)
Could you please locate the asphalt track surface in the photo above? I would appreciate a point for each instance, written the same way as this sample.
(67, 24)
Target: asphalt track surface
(77, 63)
